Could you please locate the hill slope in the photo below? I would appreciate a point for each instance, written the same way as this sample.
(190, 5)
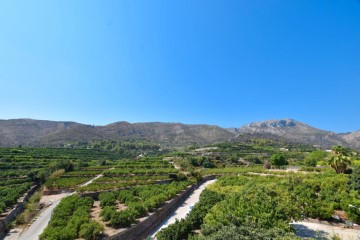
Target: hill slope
(293, 131)
(30, 132)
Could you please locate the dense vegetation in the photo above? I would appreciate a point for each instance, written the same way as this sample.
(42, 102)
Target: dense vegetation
(129, 173)
(128, 148)
(22, 167)
(247, 202)
(258, 207)
(138, 201)
(71, 220)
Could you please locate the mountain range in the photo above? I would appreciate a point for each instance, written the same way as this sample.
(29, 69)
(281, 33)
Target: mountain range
(29, 132)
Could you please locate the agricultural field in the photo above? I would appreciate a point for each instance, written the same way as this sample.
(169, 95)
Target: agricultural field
(20, 168)
(253, 191)
(262, 207)
(127, 191)
(129, 173)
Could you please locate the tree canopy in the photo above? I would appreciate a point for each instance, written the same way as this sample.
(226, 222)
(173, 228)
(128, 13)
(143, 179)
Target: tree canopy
(339, 159)
(278, 160)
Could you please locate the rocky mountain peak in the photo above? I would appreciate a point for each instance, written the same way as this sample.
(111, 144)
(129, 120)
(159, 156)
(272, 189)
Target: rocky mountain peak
(282, 123)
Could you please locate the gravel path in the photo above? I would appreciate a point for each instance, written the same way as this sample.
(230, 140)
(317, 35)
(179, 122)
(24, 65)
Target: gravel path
(306, 229)
(184, 209)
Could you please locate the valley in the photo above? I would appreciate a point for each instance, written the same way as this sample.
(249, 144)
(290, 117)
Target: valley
(130, 190)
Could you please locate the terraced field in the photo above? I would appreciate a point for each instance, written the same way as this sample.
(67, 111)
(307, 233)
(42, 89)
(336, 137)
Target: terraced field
(20, 168)
(126, 192)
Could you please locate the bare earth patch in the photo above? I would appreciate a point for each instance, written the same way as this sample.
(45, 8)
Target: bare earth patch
(95, 214)
(120, 206)
(49, 199)
(321, 229)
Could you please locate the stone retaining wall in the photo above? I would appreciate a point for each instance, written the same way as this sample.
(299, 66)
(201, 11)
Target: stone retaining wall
(95, 195)
(48, 192)
(15, 211)
(146, 227)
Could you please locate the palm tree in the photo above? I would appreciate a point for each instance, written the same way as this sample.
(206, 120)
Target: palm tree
(339, 159)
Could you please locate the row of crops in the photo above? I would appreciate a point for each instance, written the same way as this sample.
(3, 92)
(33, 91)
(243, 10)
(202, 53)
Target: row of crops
(129, 190)
(261, 207)
(129, 173)
(22, 167)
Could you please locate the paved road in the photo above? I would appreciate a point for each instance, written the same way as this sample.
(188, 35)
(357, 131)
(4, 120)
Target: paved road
(38, 226)
(184, 209)
(33, 232)
(306, 229)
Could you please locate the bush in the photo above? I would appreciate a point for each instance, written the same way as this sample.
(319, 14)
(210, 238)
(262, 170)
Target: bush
(107, 199)
(354, 180)
(107, 212)
(278, 160)
(123, 218)
(91, 230)
(71, 220)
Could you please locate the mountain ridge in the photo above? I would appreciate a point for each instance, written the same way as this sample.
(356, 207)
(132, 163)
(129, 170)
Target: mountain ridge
(32, 132)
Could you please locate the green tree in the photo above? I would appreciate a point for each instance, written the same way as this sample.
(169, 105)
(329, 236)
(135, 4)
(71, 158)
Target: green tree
(278, 160)
(339, 159)
(91, 230)
(314, 157)
(354, 180)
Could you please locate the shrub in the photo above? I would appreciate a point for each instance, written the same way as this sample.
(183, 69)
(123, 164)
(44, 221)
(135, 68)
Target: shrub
(107, 199)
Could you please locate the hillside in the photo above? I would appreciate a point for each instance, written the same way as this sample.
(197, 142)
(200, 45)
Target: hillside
(293, 131)
(28, 132)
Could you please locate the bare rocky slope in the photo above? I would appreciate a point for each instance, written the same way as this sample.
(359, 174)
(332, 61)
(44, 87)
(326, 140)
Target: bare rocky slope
(29, 132)
(293, 131)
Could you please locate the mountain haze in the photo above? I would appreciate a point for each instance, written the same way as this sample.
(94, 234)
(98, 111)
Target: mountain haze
(29, 132)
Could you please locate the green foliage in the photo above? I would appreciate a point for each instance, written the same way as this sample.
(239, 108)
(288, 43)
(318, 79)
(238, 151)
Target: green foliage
(207, 163)
(354, 180)
(139, 201)
(123, 218)
(339, 159)
(278, 160)
(71, 220)
(247, 233)
(127, 148)
(177, 231)
(22, 167)
(314, 157)
(91, 230)
(178, 177)
(107, 212)
(232, 170)
(10, 193)
(181, 229)
(254, 206)
(261, 207)
(107, 199)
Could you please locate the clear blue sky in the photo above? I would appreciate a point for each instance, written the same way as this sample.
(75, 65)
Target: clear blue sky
(217, 62)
